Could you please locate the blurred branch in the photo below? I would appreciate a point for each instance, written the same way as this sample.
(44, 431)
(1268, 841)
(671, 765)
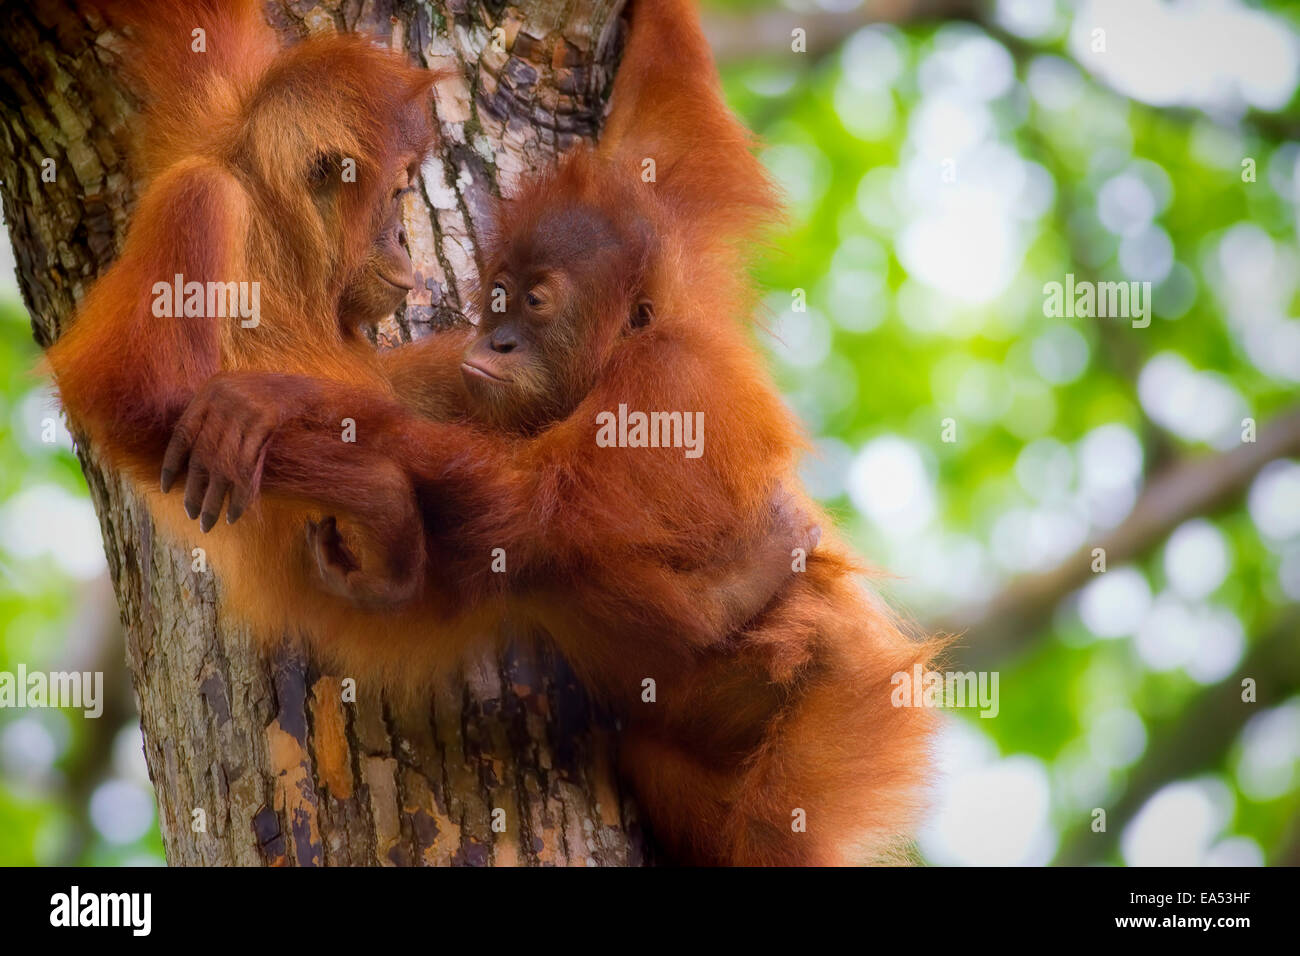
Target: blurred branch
(1191, 487)
(1197, 738)
(740, 36)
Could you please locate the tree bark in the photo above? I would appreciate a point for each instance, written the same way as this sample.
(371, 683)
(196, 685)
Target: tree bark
(285, 771)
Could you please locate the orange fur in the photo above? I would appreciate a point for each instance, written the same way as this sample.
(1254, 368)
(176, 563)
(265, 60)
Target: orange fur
(224, 141)
(620, 554)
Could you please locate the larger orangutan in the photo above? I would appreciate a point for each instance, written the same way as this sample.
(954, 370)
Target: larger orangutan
(620, 442)
(273, 179)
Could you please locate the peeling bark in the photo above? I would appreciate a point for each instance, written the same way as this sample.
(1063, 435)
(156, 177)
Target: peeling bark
(286, 771)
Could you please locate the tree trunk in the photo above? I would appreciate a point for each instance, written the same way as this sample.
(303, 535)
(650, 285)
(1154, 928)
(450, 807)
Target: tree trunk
(284, 770)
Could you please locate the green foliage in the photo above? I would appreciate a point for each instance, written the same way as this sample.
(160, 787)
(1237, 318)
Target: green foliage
(49, 554)
(899, 358)
(878, 361)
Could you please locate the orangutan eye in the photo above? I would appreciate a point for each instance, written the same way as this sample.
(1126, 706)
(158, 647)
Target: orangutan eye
(533, 300)
(320, 170)
(403, 185)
